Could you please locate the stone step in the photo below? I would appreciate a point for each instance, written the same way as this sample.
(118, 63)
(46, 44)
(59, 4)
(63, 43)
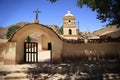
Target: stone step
(12, 68)
(17, 76)
(15, 72)
(17, 79)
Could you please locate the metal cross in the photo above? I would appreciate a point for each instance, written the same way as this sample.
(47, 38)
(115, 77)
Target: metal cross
(37, 11)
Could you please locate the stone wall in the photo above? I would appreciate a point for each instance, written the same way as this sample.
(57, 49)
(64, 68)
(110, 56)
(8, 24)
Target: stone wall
(91, 51)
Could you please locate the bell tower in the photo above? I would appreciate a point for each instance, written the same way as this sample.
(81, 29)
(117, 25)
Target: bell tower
(69, 26)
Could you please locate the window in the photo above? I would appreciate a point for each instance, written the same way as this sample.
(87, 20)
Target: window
(70, 31)
(69, 21)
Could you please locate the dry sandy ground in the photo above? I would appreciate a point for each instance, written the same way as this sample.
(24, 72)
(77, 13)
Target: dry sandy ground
(64, 71)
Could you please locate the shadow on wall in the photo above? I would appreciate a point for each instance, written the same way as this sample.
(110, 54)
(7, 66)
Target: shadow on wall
(90, 56)
(90, 52)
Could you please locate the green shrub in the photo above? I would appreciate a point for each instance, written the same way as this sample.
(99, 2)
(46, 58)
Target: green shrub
(28, 39)
(60, 31)
(11, 30)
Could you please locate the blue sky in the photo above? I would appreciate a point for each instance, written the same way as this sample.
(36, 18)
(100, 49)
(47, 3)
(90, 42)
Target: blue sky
(14, 11)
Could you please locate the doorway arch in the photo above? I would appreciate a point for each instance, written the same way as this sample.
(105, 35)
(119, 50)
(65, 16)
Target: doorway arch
(20, 35)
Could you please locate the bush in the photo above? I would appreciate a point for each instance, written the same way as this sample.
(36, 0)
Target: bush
(28, 39)
(60, 31)
(11, 30)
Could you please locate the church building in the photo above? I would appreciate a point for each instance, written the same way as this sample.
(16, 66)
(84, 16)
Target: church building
(69, 26)
(20, 50)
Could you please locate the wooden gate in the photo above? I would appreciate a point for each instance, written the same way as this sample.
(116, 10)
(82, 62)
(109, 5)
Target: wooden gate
(31, 52)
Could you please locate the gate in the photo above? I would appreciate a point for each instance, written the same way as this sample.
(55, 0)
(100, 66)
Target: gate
(30, 52)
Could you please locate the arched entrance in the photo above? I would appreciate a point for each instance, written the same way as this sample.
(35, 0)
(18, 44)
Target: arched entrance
(47, 40)
(37, 48)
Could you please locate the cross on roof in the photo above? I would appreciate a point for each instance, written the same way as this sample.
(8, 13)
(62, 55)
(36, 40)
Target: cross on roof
(37, 11)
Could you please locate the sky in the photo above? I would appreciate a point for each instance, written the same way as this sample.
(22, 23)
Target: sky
(15, 11)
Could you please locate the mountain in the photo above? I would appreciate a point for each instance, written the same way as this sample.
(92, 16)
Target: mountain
(3, 31)
(54, 27)
(106, 30)
(22, 23)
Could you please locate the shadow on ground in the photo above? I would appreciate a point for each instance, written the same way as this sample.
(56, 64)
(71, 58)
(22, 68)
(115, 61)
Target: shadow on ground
(89, 70)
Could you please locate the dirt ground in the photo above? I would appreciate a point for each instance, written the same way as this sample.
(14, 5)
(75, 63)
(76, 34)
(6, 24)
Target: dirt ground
(102, 70)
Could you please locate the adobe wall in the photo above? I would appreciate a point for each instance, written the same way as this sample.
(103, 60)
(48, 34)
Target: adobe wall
(8, 53)
(90, 50)
(13, 50)
(20, 36)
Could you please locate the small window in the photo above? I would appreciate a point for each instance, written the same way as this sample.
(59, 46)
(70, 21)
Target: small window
(69, 21)
(70, 31)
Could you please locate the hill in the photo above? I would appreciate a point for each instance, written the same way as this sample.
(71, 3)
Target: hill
(103, 31)
(106, 30)
(3, 31)
(54, 27)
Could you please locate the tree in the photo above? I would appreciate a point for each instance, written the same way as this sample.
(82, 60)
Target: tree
(52, 1)
(60, 31)
(108, 10)
(11, 30)
(28, 39)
